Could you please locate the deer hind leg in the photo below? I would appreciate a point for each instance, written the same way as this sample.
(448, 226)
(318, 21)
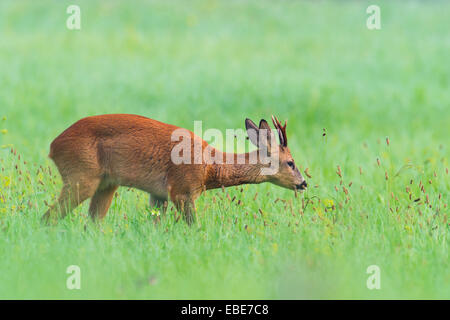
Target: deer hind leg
(72, 195)
(101, 201)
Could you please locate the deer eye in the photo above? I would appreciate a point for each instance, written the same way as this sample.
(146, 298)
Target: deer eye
(291, 164)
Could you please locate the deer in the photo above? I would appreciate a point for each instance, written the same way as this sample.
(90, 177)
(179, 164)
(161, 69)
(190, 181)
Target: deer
(97, 154)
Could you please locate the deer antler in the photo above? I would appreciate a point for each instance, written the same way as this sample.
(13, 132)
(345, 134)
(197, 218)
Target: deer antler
(281, 131)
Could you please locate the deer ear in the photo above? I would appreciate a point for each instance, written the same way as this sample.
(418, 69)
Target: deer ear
(264, 125)
(267, 138)
(252, 131)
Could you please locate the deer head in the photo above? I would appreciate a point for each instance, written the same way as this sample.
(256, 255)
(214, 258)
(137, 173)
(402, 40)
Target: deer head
(287, 175)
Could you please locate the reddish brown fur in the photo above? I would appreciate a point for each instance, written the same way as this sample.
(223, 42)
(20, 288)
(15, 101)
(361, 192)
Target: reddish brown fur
(98, 154)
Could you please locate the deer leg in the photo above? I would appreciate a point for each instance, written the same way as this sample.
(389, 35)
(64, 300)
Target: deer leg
(72, 195)
(101, 201)
(187, 207)
(158, 202)
(184, 196)
(189, 212)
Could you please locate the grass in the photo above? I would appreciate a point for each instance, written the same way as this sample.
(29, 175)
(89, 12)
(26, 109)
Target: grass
(313, 63)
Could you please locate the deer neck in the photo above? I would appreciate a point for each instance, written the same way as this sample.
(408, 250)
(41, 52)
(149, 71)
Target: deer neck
(242, 170)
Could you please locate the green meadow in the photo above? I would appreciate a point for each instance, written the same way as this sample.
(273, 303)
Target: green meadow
(368, 116)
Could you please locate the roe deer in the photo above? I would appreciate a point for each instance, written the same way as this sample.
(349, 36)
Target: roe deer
(98, 154)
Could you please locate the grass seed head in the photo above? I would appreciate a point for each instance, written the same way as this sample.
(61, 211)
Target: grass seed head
(307, 173)
(339, 172)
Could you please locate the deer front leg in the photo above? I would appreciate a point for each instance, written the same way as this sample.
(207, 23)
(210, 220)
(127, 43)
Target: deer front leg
(184, 188)
(186, 206)
(158, 202)
(189, 212)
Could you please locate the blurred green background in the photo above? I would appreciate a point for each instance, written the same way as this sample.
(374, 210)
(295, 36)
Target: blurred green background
(314, 63)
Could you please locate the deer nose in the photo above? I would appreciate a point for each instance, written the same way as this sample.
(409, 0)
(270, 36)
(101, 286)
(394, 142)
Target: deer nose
(302, 186)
